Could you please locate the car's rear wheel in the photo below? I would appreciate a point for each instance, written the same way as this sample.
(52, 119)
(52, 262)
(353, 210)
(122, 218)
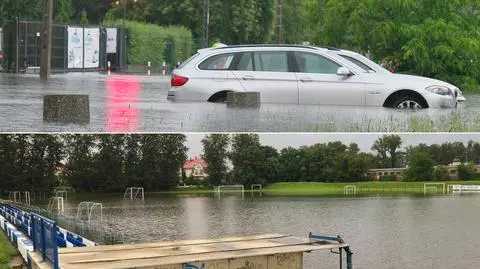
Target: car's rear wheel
(409, 102)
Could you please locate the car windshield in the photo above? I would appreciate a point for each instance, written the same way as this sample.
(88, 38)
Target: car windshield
(370, 63)
(358, 63)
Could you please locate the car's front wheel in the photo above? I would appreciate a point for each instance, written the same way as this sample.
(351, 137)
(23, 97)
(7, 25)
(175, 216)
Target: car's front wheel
(409, 102)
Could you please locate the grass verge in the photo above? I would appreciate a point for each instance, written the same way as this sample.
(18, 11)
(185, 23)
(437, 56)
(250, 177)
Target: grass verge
(7, 251)
(366, 188)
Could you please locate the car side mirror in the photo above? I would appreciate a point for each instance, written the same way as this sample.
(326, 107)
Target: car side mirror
(344, 72)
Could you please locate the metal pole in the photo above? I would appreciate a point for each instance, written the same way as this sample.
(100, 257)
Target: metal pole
(279, 14)
(208, 23)
(46, 40)
(124, 12)
(349, 258)
(341, 258)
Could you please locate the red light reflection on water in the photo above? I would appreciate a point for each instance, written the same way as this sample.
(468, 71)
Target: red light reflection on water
(123, 93)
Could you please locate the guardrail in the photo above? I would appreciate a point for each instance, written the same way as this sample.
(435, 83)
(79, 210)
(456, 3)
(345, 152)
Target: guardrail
(45, 238)
(46, 235)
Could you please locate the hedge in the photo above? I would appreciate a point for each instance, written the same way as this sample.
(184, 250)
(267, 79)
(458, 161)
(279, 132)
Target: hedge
(157, 44)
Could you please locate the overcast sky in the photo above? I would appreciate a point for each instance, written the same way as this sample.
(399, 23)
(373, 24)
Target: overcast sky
(364, 140)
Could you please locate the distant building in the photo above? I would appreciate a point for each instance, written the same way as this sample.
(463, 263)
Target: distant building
(398, 173)
(390, 173)
(195, 168)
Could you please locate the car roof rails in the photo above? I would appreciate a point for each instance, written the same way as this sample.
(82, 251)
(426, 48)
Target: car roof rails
(277, 45)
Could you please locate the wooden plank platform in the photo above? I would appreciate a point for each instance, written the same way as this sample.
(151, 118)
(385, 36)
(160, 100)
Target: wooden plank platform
(171, 255)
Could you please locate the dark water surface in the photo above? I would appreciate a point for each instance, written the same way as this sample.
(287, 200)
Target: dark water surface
(138, 104)
(384, 232)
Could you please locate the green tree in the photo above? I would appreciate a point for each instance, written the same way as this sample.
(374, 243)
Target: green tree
(64, 13)
(109, 163)
(162, 159)
(94, 10)
(84, 18)
(440, 173)
(132, 160)
(246, 149)
(429, 38)
(388, 150)
(78, 170)
(420, 166)
(21, 9)
(466, 171)
(290, 165)
(215, 154)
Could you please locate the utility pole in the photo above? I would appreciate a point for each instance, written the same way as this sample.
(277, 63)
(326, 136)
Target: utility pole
(279, 14)
(46, 40)
(206, 17)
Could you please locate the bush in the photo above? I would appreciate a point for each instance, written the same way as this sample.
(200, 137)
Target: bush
(389, 178)
(441, 173)
(466, 172)
(157, 44)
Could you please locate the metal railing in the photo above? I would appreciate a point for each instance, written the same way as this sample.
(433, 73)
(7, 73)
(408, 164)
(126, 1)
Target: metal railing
(45, 238)
(100, 233)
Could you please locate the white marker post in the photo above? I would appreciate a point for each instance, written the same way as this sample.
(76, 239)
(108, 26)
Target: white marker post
(109, 68)
(149, 68)
(164, 68)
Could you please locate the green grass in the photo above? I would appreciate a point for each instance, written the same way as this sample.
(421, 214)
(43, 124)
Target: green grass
(456, 121)
(324, 189)
(7, 251)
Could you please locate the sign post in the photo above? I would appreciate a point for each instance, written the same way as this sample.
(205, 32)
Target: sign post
(46, 40)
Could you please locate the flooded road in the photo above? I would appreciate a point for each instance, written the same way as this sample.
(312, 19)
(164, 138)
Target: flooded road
(138, 104)
(384, 232)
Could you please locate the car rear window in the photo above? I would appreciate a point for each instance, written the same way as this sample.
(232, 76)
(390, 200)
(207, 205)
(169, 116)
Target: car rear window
(188, 60)
(218, 62)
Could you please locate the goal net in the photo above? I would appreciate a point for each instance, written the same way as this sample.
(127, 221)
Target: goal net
(230, 189)
(434, 188)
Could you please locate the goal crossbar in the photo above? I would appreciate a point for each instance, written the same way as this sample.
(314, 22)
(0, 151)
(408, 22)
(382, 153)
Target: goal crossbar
(429, 186)
(350, 189)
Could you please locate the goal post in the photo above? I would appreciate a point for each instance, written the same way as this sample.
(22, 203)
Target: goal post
(256, 188)
(350, 189)
(134, 193)
(431, 186)
(231, 189)
(89, 209)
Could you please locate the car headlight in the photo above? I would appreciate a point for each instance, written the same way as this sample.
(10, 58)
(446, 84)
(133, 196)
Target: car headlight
(441, 90)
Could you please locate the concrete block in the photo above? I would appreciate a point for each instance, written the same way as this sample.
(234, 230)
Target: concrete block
(243, 99)
(66, 109)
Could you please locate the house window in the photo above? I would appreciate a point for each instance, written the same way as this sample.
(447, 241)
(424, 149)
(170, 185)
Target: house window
(198, 171)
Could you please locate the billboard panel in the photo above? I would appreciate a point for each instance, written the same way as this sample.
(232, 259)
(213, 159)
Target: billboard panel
(92, 48)
(111, 40)
(75, 47)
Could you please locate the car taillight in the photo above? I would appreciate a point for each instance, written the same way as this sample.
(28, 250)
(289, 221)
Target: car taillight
(178, 81)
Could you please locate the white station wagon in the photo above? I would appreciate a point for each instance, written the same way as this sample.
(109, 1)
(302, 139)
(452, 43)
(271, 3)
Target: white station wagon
(293, 74)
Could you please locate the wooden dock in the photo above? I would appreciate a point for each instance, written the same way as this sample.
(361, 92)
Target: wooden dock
(272, 251)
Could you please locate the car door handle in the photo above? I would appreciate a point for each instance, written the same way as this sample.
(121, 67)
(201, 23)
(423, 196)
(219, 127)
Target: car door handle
(305, 80)
(248, 78)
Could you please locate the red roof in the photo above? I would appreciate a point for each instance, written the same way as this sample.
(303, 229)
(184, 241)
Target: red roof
(195, 162)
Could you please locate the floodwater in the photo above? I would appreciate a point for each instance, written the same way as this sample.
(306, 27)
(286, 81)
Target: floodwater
(384, 232)
(138, 104)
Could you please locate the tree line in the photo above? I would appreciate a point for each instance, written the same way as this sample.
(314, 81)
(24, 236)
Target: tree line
(254, 163)
(110, 163)
(104, 163)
